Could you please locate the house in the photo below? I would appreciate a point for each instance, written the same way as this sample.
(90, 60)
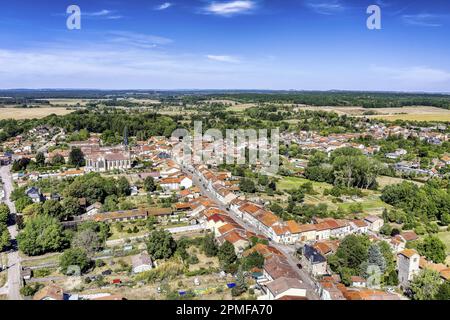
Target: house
(368, 294)
(50, 292)
(236, 239)
(306, 232)
(323, 231)
(326, 247)
(329, 289)
(408, 265)
(409, 235)
(176, 183)
(337, 228)
(313, 261)
(397, 244)
(396, 154)
(375, 223)
(277, 266)
(34, 194)
(141, 262)
(125, 215)
(263, 249)
(358, 282)
(93, 208)
(283, 287)
(359, 226)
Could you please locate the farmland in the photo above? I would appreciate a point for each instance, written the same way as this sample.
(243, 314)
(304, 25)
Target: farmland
(419, 113)
(31, 113)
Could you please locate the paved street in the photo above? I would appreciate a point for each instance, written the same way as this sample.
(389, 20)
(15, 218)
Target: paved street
(13, 256)
(288, 251)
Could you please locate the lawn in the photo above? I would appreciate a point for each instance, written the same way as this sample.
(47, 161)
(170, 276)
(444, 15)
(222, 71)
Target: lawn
(40, 260)
(384, 181)
(445, 237)
(290, 183)
(372, 204)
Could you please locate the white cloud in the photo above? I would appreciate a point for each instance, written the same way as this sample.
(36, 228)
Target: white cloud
(230, 8)
(414, 75)
(115, 65)
(103, 12)
(139, 40)
(223, 58)
(423, 19)
(164, 6)
(326, 7)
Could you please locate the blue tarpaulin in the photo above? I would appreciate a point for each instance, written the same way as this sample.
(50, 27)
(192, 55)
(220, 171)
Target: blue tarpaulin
(231, 285)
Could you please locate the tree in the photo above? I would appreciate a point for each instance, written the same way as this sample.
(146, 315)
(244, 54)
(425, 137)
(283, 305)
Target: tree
(58, 160)
(33, 209)
(52, 208)
(386, 229)
(41, 234)
(76, 157)
(209, 245)
(247, 185)
(445, 219)
(4, 213)
(101, 228)
(70, 207)
(149, 184)
(433, 249)
(74, 257)
(226, 254)
(241, 285)
(111, 203)
(263, 180)
(22, 203)
(277, 209)
(425, 285)
(161, 245)
(5, 238)
(391, 277)
(353, 251)
(123, 187)
(253, 260)
(88, 240)
(443, 292)
(376, 257)
(40, 159)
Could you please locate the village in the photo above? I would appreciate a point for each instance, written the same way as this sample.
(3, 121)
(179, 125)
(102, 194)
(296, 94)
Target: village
(192, 201)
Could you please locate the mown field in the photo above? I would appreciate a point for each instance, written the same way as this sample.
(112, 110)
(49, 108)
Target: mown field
(440, 117)
(417, 113)
(31, 113)
(371, 202)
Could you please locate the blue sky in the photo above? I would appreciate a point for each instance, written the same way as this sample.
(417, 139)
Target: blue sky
(223, 44)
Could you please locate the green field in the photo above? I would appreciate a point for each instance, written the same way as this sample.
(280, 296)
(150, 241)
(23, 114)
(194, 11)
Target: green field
(290, 183)
(371, 203)
(445, 237)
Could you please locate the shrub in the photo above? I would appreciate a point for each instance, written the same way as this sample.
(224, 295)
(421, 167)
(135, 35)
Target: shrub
(30, 289)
